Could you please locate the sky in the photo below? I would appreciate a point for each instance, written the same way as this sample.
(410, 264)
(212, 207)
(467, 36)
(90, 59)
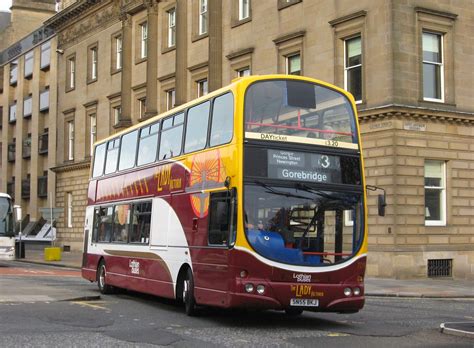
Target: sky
(5, 5)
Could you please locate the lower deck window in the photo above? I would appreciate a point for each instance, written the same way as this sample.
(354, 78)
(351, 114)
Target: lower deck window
(123, 223)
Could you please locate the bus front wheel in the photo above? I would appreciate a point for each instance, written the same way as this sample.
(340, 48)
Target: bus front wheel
(188, 293)
(104, 288)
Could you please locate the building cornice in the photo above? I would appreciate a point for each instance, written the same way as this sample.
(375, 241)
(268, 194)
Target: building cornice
(291, 36)
(240, 53)
(70, 167)
(429, 11)
(69, 13)
(347, 18)
(82, 19)
(421, 113)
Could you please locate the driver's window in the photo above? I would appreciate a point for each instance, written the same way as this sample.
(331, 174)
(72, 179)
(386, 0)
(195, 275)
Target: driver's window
(219, 218)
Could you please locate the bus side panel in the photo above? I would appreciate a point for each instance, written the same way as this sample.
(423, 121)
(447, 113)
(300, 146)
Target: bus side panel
(209, 263)
(147, 275)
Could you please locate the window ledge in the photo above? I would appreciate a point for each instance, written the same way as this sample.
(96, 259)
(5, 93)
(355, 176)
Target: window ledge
(140, 60)
(436, 102)
(115, 71)
(282, 5)
(198, 37)
(70, 89)
(237, 22)
(168, 49)
(89, 81)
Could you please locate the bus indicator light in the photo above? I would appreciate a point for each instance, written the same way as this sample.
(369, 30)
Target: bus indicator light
(249, 287)
(260, 289)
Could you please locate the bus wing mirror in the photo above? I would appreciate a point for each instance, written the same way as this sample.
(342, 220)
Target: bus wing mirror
(17, 212)
(381, 199)
(382, 203)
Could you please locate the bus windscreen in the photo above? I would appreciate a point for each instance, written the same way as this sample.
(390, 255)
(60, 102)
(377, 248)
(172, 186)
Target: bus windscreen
(5, 207)
(298, 110)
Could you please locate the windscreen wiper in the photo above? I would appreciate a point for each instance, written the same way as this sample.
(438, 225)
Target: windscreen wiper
(340, 197)
(278, 192)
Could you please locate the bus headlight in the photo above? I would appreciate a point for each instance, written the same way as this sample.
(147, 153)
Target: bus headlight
(249, 287)
(10, 249)
(260, 289)
(347, 291)
(356, 291)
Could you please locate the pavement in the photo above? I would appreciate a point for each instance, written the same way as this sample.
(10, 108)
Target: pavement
(441, 288)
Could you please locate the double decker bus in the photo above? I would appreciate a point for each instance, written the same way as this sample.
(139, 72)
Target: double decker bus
(251, 196)
(7, 234)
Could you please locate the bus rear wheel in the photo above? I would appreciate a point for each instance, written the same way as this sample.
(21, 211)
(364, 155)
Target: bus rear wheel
(188, 293)
(104, 288)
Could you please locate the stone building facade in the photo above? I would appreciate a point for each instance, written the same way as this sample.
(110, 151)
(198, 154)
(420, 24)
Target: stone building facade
(27, 91)
(408, 63)
(36, 11)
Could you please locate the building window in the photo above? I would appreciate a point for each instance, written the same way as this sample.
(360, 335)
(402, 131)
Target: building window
(93, 63)
(202, 88)
(70, 142)
(433, 70)
(43, 185)
(143, 40)
(29, 58)
(27, 106)
(142, 107)
(170, 99)
(71, 73)
(44, 100)
(14, 72)
(43, 142)
(118, 52)
(293, 64)
(353, 67)
(203, 13)
(12, 113)
(12, 151)
(27, 146)
(172, 27)
(45, 55)
(244, 9)
(243, 72)
(435, 193)
(69, 209)
(93, 132)
(117, 111)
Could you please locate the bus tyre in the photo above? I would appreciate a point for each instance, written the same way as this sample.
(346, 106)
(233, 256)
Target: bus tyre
(188, 293)
(104, 288)
(293, 311)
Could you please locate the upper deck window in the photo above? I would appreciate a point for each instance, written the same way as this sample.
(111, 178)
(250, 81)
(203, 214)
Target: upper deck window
(222, 120)
(112, 155)
(128, 150)
(171, 136)
(148, 144)
(297, 111)
(99, 159)
(196, 127)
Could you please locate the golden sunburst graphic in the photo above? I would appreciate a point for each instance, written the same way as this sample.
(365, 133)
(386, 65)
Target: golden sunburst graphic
(206, 172)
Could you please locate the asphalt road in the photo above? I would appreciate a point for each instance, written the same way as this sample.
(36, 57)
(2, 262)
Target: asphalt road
(45, 306)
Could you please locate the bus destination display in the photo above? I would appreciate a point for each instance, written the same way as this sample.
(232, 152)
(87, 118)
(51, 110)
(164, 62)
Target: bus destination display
(291, 165)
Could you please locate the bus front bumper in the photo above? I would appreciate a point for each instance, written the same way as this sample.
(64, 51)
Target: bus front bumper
(309, 297)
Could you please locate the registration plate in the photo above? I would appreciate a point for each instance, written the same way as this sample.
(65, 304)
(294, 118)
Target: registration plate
(306, 302)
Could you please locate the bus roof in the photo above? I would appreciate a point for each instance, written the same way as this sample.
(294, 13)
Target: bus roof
(4, 195)
(237, 81)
